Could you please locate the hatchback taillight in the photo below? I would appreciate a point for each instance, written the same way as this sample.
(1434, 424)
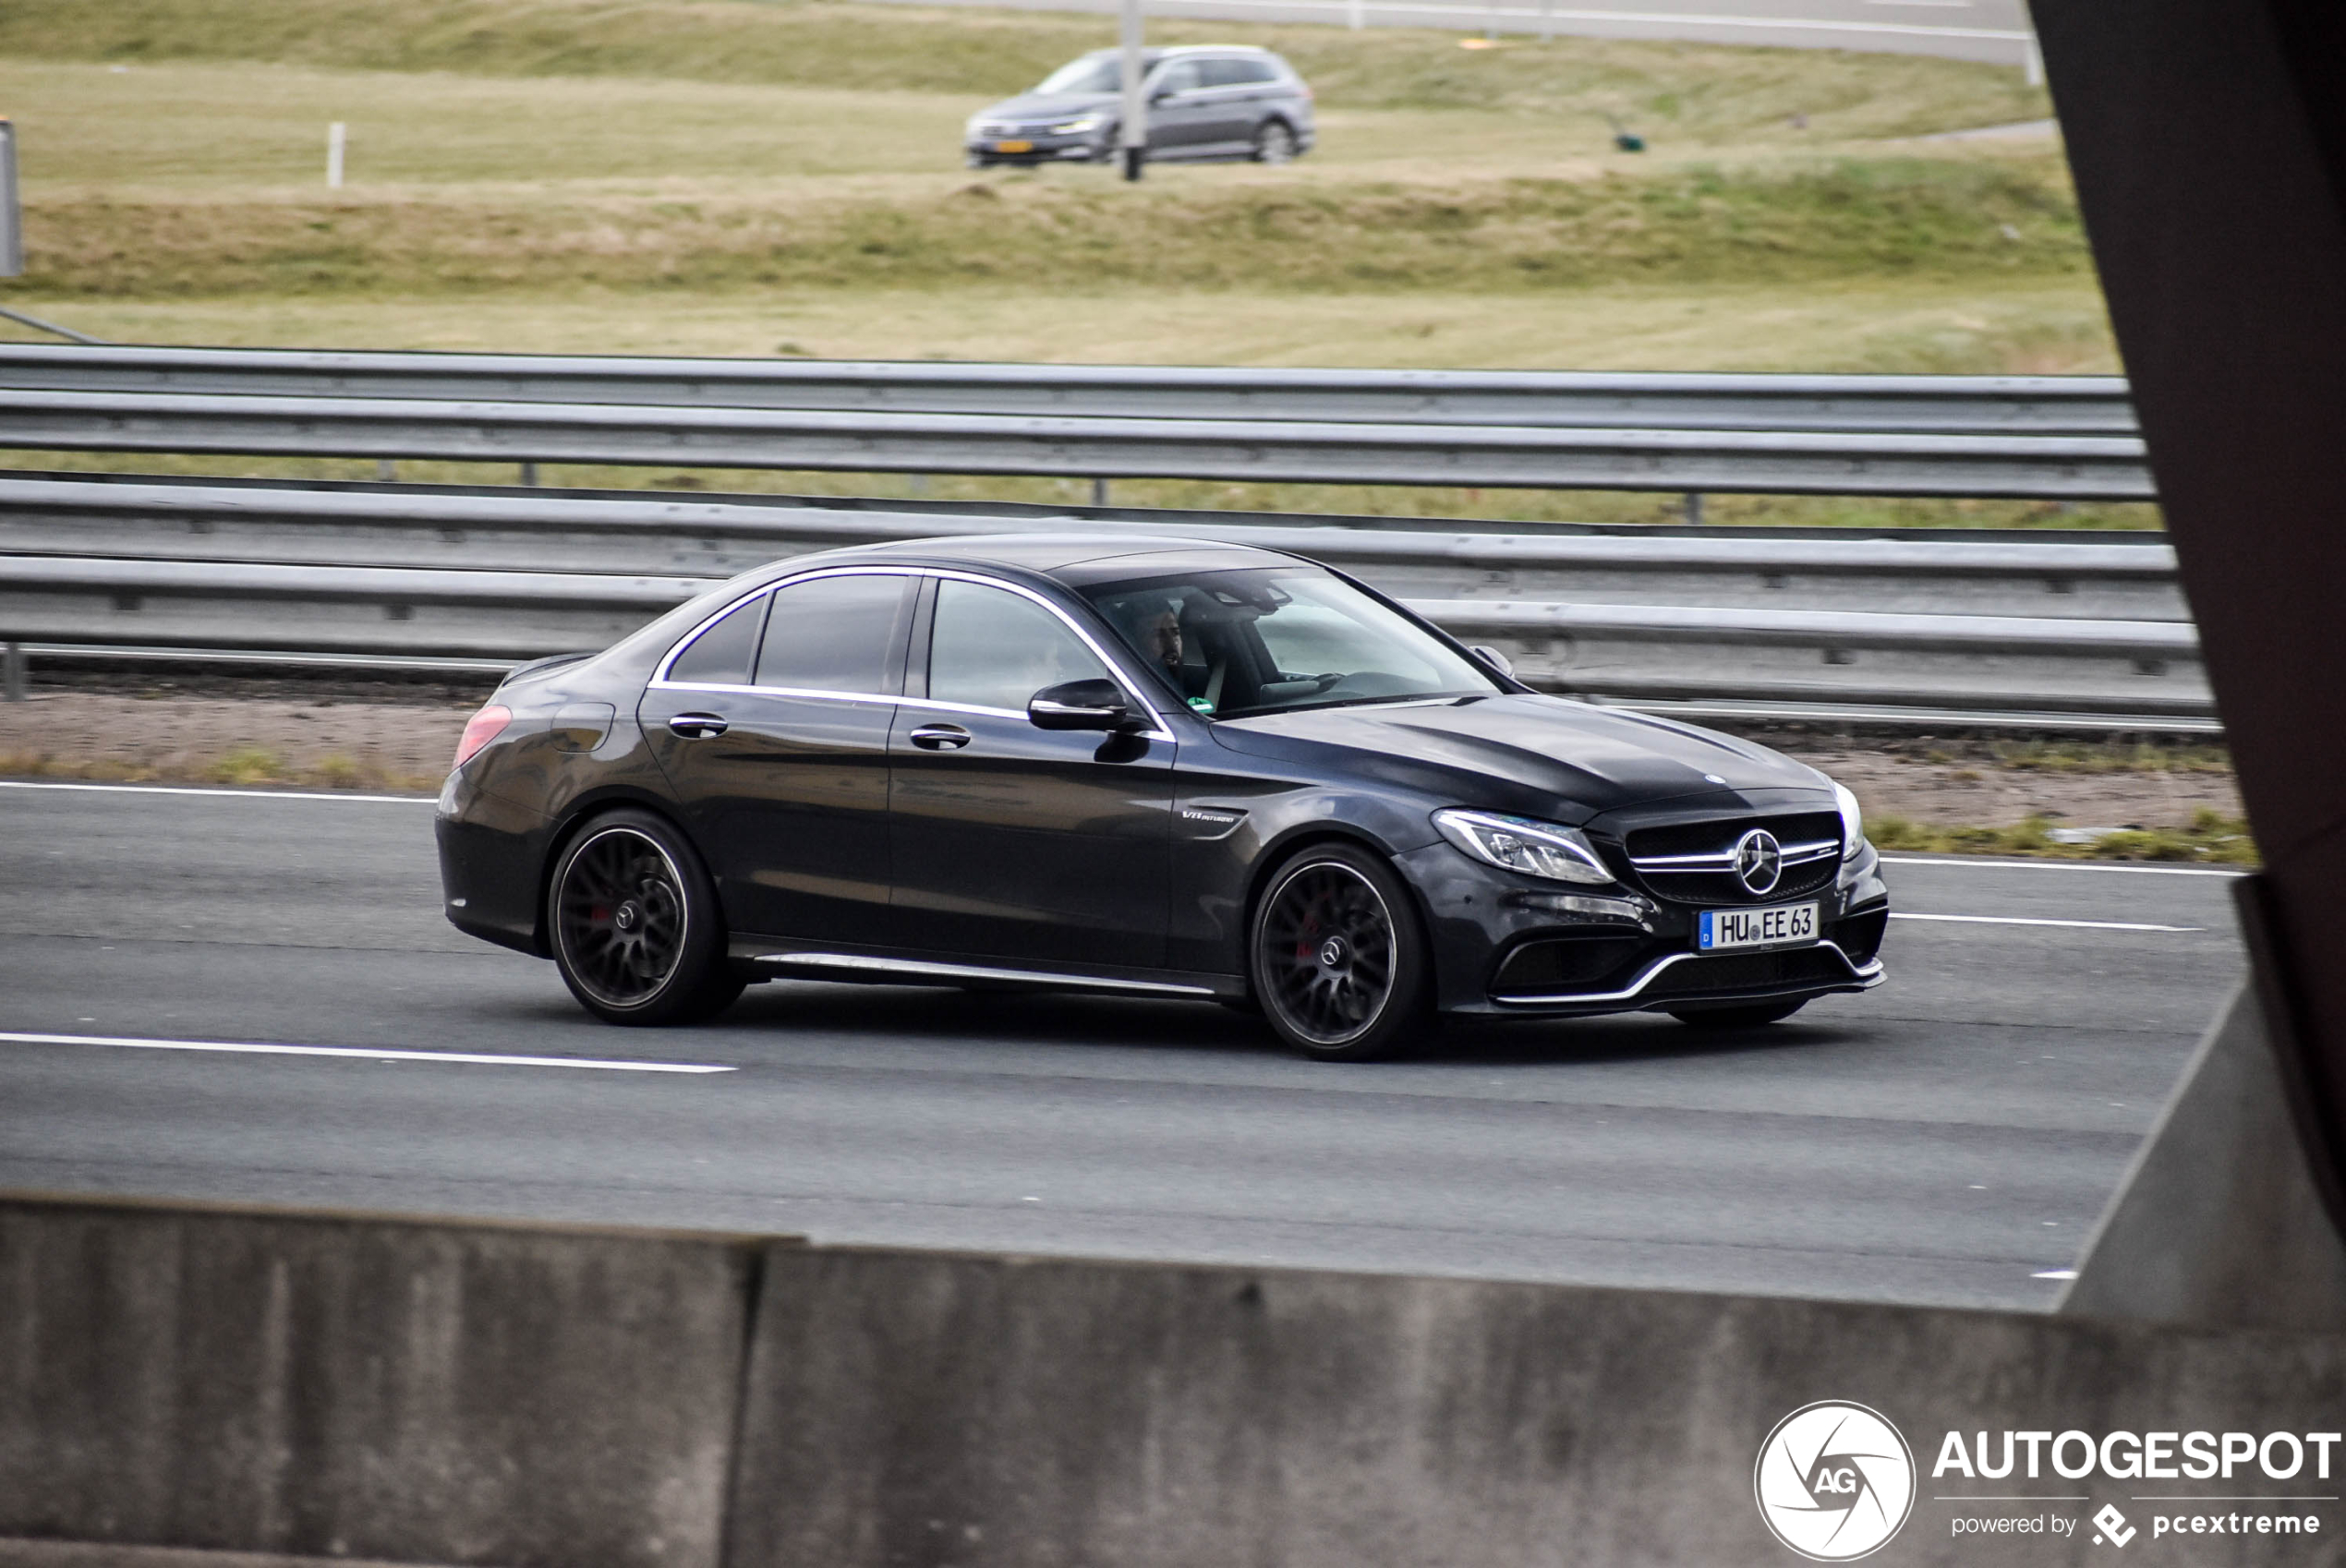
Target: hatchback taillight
(485, 727)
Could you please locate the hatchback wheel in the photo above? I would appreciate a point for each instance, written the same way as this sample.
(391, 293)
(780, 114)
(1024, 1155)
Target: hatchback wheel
(1275, 143)
(1339, 956)
(635, 927)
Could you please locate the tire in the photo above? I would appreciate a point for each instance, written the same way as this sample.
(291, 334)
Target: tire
(1274, 142)
(1339, 956)
(634, 924)
(1751, 1017)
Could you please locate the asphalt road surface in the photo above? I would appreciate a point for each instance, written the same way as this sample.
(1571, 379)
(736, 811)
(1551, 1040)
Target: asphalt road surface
(1992, 31)
(1949, 1137)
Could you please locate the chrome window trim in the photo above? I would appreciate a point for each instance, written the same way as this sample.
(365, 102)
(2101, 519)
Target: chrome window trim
(1158, 730)
(659, 674)
(1867, 975)
(864, 964)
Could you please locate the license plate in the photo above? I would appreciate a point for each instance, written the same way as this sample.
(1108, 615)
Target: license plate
(1779, 926)
(1013, 147)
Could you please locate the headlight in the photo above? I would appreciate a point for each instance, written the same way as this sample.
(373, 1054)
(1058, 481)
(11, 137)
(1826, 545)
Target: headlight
(1853, 823)
(1089, 122)
(1515, 843)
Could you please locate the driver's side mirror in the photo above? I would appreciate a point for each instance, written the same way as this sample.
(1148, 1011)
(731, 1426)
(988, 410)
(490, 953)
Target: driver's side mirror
(1080, 704)
(1494, 658)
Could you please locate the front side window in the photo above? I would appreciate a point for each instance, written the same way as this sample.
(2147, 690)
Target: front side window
(993, 648)
(722, 655)
(834, 634)
(1268, 639)
(1178, 76)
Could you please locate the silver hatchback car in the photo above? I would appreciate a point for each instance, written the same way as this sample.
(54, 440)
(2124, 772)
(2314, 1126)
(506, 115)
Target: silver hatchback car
(1205, 102)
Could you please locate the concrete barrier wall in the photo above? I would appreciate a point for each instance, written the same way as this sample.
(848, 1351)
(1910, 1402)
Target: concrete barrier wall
(910, 1408)
(461, 1393)
(326, 1386)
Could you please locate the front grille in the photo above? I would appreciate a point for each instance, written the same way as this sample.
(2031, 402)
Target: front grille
(1712, 888)
(1733, 973)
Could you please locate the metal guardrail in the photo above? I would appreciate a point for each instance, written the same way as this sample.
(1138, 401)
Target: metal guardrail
(1797, 462)
(2031, 405)
(1949, 663)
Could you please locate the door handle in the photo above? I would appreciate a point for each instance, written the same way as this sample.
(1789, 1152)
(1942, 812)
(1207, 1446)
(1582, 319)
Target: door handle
(697, 725)
(939, 737)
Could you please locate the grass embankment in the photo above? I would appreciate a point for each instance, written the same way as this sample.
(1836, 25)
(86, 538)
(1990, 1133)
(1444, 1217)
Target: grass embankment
(738, 178)
(2209, 838)
(242, 766)
(1686, 91)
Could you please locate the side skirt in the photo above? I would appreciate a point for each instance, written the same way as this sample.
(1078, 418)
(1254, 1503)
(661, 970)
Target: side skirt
(879, 966)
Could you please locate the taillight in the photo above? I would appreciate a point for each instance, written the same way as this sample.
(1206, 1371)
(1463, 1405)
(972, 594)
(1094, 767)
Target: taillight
(485, 727)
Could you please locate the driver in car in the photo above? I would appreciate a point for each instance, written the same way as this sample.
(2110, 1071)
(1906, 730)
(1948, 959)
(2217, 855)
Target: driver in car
(1161, 637)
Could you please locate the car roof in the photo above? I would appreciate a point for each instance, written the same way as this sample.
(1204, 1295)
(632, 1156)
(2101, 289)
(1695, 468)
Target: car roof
(1074, 559)
(1167, 52)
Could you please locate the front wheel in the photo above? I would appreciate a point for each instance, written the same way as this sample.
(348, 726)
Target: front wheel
(635, 927)
(1339, 957)
(1751, 1017)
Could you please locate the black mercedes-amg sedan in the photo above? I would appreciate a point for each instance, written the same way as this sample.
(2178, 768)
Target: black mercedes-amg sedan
(1148, 765)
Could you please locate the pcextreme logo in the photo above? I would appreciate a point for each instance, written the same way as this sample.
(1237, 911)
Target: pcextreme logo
(1834, 1481)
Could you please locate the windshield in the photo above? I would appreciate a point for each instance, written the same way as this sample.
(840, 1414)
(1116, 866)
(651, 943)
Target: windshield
(1274, 639)
(1093, 73)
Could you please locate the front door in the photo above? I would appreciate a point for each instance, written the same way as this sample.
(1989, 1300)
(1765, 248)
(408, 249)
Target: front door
(772, 728)
(1010, 841)
(1180, 111)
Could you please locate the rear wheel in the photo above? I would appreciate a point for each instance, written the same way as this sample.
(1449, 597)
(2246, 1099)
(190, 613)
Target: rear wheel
(1750, 1016)
(1340, 957)
(637, 933)
(1275, 143)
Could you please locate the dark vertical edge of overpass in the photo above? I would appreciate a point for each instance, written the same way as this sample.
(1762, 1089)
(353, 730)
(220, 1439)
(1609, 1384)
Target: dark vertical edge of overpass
(2207, 139)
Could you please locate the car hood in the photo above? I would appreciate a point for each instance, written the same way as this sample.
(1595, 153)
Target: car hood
(1534, 755)
(1047, 106)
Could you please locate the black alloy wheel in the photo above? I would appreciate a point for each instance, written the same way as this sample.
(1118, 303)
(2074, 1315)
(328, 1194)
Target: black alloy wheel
(1275, 143)
(1338, 958)
(1750, 1017)
(635, 925)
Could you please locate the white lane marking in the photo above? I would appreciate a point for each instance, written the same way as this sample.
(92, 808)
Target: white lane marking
(138, 1042)
(2025, 920)
(2054, 1274)
(232, 794)
(1970, 864)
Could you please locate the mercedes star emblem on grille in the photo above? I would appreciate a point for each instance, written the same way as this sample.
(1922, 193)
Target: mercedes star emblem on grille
(1758, 859)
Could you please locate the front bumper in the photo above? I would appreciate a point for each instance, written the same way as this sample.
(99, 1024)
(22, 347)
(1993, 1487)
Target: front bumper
(1510, 944)
(1078, 147)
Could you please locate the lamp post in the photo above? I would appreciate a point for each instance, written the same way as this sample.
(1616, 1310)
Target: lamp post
(1132, 135)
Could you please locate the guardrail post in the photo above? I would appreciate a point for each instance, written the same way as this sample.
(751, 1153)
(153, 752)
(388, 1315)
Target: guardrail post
(12, 663)
(386, 470)
(1693, 504)
(1099, 492)
(529, 473)
(11, 216)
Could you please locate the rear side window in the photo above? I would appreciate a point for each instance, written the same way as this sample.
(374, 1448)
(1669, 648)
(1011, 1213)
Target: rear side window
(722, 655)
(834, 635)
(1180, 77)
(993, 648)
(1238, 73)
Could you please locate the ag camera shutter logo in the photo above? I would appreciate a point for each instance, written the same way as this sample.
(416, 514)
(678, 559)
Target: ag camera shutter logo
(1834, 1481)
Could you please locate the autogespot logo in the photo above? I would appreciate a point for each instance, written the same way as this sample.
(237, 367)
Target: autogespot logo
(1834, 1481)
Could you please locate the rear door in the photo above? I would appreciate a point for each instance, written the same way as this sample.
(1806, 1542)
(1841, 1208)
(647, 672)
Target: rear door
(1010, 843)
(1232, 91)
(773, 727)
